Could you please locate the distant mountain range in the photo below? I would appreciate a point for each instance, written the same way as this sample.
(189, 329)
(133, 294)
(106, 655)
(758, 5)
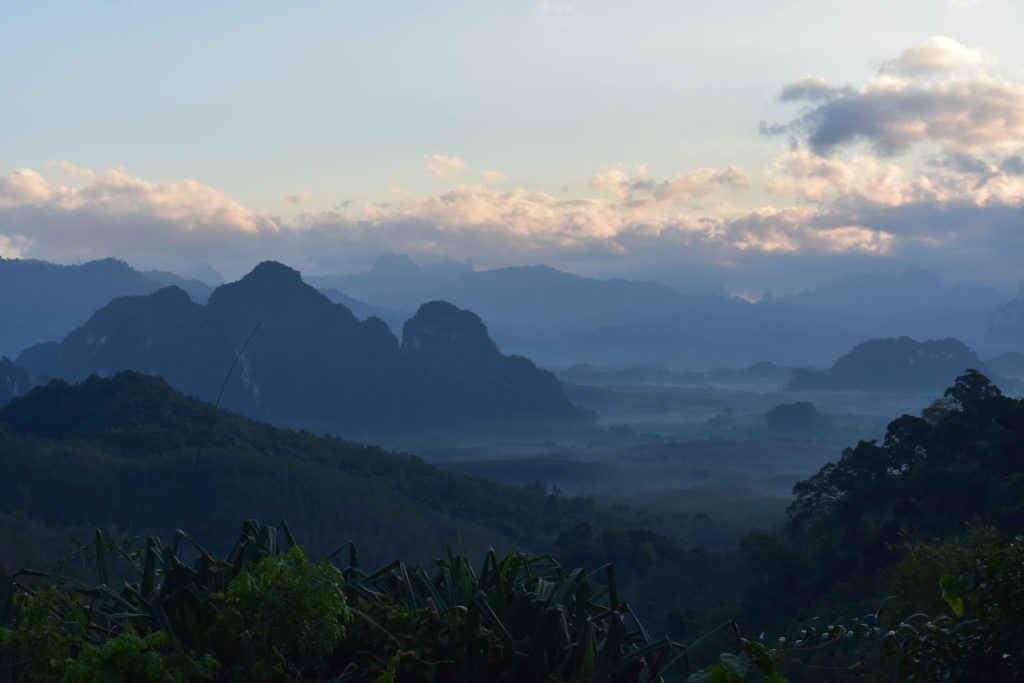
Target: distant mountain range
(311, 362)
(885, 293)
(42, 301)
(556, 318)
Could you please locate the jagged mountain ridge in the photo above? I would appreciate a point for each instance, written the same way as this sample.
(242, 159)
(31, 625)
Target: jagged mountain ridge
(41, 301)
(311, 362)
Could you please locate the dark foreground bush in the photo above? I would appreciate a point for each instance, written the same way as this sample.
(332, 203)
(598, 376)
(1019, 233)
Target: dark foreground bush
(266, 612)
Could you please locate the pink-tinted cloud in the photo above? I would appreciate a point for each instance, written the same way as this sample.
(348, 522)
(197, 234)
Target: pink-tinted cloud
(24, 186)
(443, 167)
(115, 213)
(639, 188)
(938, 54)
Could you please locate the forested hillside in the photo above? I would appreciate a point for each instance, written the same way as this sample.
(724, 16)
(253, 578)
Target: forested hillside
(65, 446)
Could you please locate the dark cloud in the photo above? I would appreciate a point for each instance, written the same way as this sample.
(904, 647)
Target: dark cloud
(940, 95)
(812, 89)
(960, 117)
(1013, 165)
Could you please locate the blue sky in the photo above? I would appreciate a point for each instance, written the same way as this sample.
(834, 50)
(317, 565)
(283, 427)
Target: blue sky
(762, 145)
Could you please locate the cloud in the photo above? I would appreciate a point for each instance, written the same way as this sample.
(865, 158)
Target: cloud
(443, 167)
(966, 114)
(298, 198)
(494, 178)
(112, 212)
(11, 245)
(809, 89)
(24, 186)
(639, 188)
(824, 180)
(556, 11)
(956, 208)
(938, 54)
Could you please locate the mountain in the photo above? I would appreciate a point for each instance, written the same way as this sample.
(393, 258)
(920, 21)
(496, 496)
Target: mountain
(121, 452)
(393, 317)
(894, 364)
(198, 290)
(1006, 325)
(305, 361)
(559, 318)
(540, 296)
(885, 293)
(394, 281)
(42, 301)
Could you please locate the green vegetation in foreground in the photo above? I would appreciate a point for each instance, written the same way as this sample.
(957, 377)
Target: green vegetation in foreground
(266, 612)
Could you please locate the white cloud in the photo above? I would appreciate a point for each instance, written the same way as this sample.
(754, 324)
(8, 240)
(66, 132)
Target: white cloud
(298, 198)
(443, 167)
(824, 179)
(113, 213)
(938, 54)
(639, 188)
(557, 11)
(24, 186)
(495, 178)
(12, 246)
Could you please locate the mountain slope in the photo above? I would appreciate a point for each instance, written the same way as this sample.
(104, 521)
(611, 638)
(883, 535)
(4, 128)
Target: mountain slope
(41, 301)
(121, 451)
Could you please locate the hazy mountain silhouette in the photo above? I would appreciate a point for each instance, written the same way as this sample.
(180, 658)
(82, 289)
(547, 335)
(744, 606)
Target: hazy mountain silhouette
(1005, 326)
(532, 296)
(557, 318)
(1009, 364)
(883, 293)
(394, 281)
(199, 290)
(312, 362)
(894, 364)
(560, 318)
(42, 301)
(394, 317)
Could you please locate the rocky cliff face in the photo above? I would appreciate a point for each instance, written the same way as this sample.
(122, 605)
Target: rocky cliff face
(14, 380)
(455, 369)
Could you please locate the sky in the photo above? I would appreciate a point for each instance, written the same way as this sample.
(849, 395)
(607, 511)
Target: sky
(765, 145)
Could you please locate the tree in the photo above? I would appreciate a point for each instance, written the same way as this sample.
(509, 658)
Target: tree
(971, 389)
